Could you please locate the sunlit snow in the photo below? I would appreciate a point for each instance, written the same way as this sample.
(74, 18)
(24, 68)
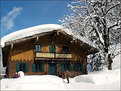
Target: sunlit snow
(36, 30)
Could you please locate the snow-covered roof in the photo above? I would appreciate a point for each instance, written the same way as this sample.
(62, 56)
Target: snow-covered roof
(36, 30)
(29, 32)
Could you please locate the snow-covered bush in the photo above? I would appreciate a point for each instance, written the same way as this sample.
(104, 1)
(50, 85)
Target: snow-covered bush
(21, 73)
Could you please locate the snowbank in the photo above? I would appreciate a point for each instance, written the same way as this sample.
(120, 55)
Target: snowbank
(43, 82)
(116, 62)
(100, 77)
(100, 80)
(84, 78)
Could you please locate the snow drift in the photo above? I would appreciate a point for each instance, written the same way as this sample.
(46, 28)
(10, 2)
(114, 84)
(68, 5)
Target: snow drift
(103, 80)
(43, 82)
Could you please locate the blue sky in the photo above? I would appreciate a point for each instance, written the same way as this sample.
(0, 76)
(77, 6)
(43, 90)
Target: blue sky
(16, 15)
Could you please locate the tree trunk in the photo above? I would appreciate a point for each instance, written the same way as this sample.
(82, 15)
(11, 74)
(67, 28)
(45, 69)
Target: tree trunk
(110, 66)
(110, 61)
(106, 45)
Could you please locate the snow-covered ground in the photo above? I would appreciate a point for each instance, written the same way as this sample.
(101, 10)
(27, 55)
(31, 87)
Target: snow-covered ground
(99, 80)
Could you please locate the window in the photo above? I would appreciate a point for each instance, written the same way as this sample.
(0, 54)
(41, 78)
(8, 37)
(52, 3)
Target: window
(65, 66)
(52, 49)
(38, 48)
(22, 67)
(78, 67)
(37, 67)
(65, 49)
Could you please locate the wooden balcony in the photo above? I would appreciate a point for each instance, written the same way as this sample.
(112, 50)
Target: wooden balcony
(44, 55)
(63, 56)
(52, 55)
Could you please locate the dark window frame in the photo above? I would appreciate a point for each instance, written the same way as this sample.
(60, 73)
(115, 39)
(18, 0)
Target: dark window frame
(79, 67)
(65, 49)
(66, 66)
(22, 67)
(39, 67)
(52, 49)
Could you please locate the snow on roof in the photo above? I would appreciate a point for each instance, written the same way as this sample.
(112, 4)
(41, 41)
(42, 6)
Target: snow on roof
(29, 32)
(38, 29)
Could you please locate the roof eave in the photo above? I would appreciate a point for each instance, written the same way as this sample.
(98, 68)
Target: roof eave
(90, 49)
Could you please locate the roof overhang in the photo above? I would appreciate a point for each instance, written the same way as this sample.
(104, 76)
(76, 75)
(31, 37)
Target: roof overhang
(89, 49)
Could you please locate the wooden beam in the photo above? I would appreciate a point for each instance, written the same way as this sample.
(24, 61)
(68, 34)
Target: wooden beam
(11, 46)
(57, 32)
(37, 38)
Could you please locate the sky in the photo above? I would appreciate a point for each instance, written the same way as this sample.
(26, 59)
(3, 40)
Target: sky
(19, 14)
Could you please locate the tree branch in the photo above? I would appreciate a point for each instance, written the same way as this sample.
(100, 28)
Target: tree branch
(113, 26)
(116, 54)
(115, 36)
(96, 31)
(111, 8)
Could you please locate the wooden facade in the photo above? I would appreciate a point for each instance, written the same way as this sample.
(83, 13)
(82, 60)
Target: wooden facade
(47, 53)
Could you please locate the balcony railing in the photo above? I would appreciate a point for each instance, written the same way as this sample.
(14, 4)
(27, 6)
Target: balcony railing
(53, 55)
(43, 55)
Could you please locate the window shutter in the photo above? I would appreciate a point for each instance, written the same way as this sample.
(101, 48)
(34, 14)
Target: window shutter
(36, 48)
(50, 49)
(69, 67)
(62, 67)
(75, 66)
(33, 67)
(17, 67)
(27, 67)
(81, 66)
(42, 67)
(40, 48)
(54, 49)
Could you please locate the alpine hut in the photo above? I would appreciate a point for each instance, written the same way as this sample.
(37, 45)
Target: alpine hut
(45, 49)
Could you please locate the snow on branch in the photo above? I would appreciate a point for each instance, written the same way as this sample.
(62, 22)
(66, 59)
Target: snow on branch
(112, 7)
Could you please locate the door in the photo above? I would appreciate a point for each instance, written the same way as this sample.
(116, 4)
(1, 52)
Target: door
(65, 66)
(52, 69)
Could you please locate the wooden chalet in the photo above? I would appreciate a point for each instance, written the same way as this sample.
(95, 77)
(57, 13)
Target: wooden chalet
(48, 53)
